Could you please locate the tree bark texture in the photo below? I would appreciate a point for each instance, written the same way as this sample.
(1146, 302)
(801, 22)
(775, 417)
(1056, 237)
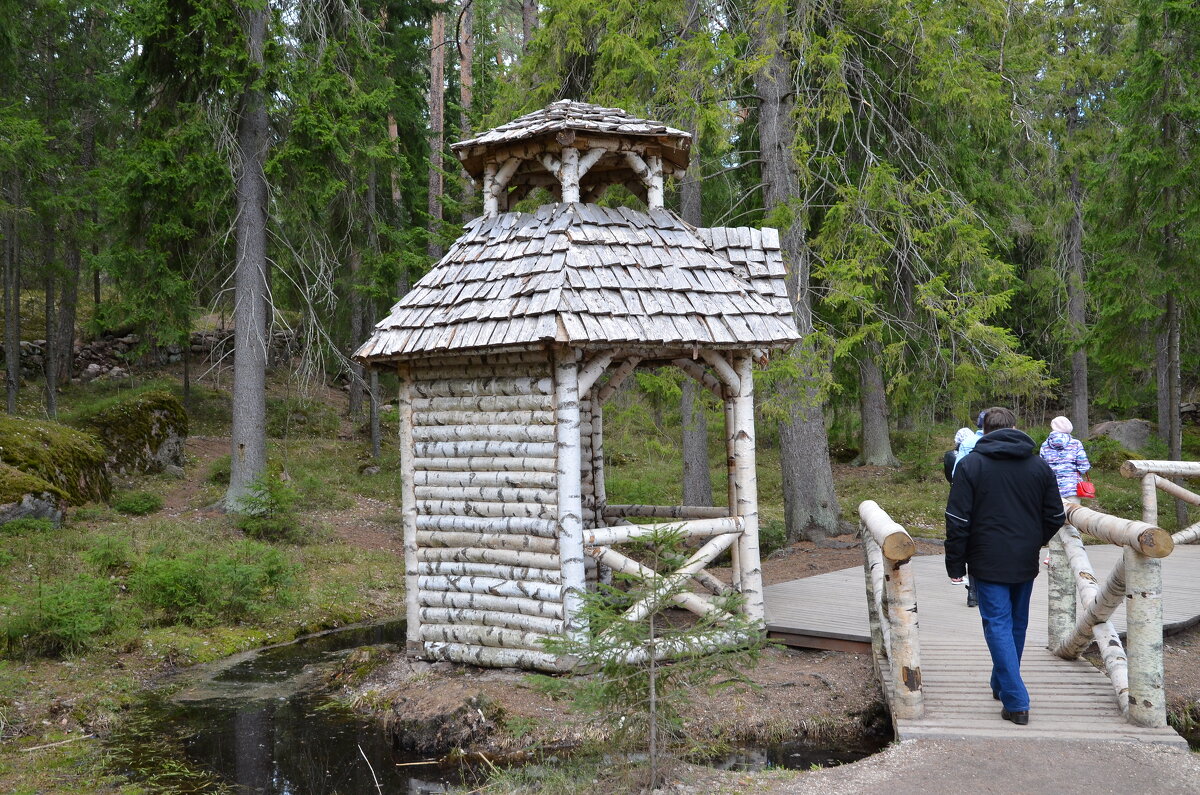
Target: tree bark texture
(357, 382)
(1077, 309)
(437, 125)
(249, 443)
(810, 503)
(876, 442)
(528, 22)
(697, 476)
(12, 299)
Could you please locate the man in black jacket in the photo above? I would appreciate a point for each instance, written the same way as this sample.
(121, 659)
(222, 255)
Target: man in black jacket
(1004, 507)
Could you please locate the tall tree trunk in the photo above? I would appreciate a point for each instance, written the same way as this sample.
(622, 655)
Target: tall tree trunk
(397, 199)
(354, 262)
(437, 126)
(810, 503)
(466, 86)
(373, 247)
(1174, 396)
(50, 352)
(1077, 310)
(1162, 380)
(249, 442)
(528, 22)
(876, 443)
(12, 299)
(697, 475)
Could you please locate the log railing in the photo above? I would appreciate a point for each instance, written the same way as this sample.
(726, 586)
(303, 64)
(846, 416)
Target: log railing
(892, 607)
(1135, 670)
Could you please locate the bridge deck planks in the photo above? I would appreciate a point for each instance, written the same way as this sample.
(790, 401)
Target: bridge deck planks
(1070, 699)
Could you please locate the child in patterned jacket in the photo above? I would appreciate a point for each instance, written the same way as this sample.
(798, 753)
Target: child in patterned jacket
(1066, 456)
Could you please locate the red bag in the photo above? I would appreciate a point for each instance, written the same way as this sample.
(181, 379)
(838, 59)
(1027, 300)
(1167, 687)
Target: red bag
(1086, 488)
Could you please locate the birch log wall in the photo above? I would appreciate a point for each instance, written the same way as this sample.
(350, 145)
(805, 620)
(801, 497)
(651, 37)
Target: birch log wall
(506, 352)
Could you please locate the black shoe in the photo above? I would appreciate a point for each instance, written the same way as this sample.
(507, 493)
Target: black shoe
(1021, 717)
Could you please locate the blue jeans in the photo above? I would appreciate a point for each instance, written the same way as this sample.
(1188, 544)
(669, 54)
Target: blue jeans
(1004, 608)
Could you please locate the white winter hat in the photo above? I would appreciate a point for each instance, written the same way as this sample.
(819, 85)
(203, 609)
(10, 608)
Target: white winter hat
(962, 435)
(1061, 425)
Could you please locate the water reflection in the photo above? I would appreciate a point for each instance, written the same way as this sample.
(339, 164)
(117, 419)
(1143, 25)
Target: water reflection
(259, 726)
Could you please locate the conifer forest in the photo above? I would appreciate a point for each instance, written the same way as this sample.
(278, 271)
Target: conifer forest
(980, 202)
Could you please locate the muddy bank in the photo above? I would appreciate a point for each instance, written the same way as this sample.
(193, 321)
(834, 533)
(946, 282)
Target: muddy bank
(818, 698)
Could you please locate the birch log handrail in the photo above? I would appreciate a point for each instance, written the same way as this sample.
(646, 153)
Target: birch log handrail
(892, 607)
(1136, 671)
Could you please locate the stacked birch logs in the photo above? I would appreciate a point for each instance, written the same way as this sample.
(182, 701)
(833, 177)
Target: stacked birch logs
(485, 580)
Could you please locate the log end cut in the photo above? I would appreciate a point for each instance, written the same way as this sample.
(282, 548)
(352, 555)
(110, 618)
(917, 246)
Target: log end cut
(1156, 543)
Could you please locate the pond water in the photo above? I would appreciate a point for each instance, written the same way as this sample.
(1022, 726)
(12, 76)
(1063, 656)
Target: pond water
(257, 723)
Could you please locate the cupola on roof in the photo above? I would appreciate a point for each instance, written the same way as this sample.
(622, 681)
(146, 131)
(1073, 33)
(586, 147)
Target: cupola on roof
(614, 148)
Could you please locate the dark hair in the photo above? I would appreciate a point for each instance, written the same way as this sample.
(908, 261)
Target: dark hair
(998, 417)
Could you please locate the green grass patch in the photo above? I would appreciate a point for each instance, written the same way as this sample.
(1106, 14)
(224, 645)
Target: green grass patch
(137, 503)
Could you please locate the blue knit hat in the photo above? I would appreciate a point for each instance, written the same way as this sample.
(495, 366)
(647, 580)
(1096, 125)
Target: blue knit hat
(979, 419)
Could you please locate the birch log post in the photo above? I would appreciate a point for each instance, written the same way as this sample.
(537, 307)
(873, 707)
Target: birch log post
(408, 510)
(1143, 616)
(1060, 617)
(747, 488)
(903, 647)
(570, 500)
(731, 498)
(1149, 498)
(873, 560)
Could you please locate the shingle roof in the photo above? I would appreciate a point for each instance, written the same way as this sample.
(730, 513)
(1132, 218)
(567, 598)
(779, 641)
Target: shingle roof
(583, 274)
(756, 255)
(581, 117)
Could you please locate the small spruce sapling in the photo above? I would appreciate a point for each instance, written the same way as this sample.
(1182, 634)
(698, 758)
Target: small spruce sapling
(638, 671)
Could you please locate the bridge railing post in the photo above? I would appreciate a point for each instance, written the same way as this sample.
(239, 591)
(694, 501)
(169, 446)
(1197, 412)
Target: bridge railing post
(1060, 620)
(892, 599)
(1136, 670)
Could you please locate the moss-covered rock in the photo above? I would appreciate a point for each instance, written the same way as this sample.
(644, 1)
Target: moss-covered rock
(25, 496)
(71, 461)
(142, 433)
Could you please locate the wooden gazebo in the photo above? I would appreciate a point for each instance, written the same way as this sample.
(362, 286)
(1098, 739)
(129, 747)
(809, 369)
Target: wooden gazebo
(506, 352)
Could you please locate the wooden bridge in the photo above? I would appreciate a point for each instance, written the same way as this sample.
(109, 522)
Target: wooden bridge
(949, 695)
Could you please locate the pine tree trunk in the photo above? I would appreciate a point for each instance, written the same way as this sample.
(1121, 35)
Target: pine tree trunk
(437, 89)
(1174, 397)
(697, 476)
(12, 299)
(354, 265)
(50, 354)
(876, 443)
(1077, 310)
(810, 503)
(528, 22)
(1162, 380)
(249, 444)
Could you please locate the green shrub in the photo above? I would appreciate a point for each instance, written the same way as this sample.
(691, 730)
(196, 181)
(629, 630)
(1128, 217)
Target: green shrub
(772, 535)
(62, 618)
(22, 526)
(138, 503)
(210, 586)
(297, 417)
(269, 511)
(1107, 453)
(108, 554)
